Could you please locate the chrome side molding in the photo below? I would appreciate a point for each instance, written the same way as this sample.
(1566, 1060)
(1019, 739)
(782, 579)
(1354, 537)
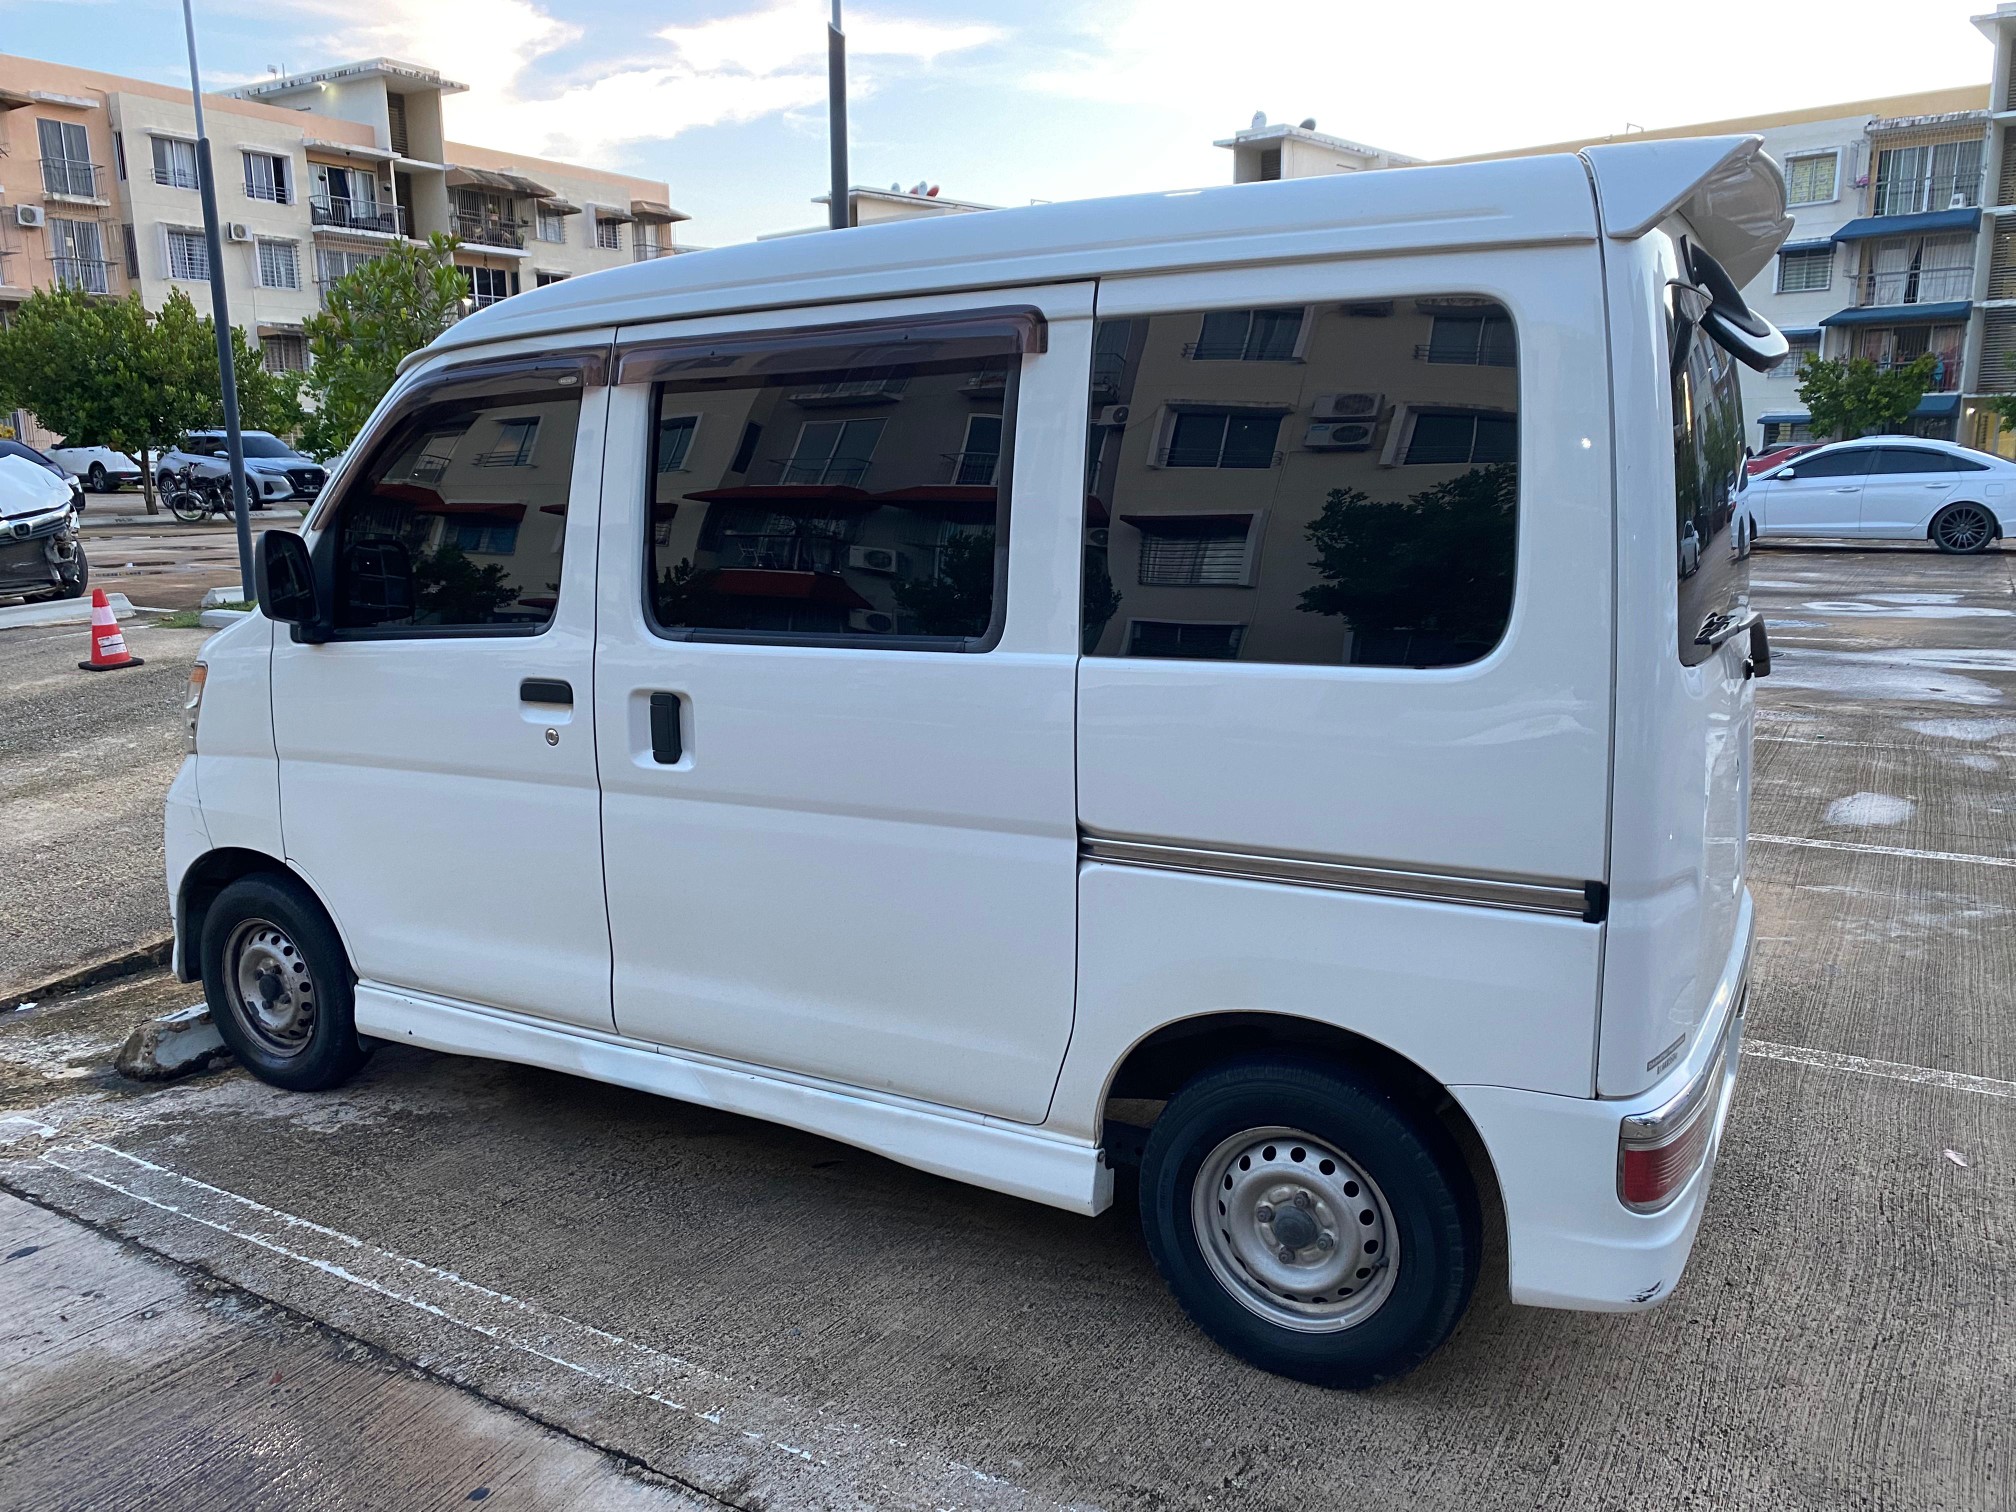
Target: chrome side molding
(1588, 901)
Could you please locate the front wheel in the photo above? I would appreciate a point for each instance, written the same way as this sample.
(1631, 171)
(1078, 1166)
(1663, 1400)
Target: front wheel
(80, 574)
(189, 506)
(1962, 529)
(95, 479)
(1310, 1222)
(279, 984)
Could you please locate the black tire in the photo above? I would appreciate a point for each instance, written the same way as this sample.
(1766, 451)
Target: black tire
(301, 1034)
(1963, 529)
(94, 480)
(189, 506)
(1420, 1181)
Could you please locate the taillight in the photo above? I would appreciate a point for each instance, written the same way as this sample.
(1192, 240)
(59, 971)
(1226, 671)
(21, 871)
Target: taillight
(192, 705)
(1651, 1172)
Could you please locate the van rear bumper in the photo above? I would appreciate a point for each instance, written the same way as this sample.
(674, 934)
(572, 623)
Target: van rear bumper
(1571, 1240)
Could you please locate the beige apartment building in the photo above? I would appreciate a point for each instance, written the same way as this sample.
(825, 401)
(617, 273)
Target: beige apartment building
(316, 174)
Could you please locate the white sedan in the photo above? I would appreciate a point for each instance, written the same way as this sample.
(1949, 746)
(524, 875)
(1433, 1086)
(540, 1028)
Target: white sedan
(100, 467)
(1888, 488)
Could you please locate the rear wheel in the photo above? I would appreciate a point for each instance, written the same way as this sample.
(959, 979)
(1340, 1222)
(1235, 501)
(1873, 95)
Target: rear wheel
(1962, 529)
(189, 505)
(279, 984)
(1310, 1222)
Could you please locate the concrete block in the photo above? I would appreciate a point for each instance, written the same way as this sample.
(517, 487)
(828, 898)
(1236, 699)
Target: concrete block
(175, 1044)
(217, 598)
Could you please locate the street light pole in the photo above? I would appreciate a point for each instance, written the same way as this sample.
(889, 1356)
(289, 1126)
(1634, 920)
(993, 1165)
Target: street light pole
(836, 114)
(220, 314)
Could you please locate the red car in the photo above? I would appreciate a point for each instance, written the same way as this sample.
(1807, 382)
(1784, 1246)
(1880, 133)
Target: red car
(1778, 456)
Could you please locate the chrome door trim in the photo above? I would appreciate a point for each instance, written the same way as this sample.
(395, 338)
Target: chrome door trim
(1542, 895)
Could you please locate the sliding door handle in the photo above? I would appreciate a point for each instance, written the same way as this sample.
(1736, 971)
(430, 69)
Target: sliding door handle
(546, 690)
(666, 746)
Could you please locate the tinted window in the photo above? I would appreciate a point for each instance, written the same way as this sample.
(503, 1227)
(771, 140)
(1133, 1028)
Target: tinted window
(457, 519)
(1850, 462)
(1910, 459)
(1356, 506)
(795, 498)
(1713, 558)
(258, 445)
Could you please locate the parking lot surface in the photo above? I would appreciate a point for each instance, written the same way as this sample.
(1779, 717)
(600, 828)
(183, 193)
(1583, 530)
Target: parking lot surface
(746, 1316)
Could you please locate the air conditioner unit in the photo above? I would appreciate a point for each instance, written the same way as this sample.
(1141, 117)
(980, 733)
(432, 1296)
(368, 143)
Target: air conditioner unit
(1110, 414)
(874, 621)
(1349, 406)
(238, 231)
(874, 559)
(1098, 536)
(28, 215)
(1352, 435)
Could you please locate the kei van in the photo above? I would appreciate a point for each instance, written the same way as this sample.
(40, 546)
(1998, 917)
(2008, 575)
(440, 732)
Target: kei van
(1245, 691)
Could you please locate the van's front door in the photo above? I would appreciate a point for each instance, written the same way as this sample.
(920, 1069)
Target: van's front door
(437, 759)
(834, 691)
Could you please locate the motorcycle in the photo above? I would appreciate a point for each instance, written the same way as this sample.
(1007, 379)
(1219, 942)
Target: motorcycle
(194, 500)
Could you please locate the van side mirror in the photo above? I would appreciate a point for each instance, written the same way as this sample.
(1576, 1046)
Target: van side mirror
(284, 579)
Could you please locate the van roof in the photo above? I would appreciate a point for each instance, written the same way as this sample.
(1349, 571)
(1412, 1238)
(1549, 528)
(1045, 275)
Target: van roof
(1733, 195)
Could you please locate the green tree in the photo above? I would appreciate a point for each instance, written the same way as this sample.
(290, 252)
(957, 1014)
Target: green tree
(392, 305)
(1851, 396)
(959, 600)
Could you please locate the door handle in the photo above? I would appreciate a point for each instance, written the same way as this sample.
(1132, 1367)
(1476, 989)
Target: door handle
(1845, 490)
(666, 747)
(546, 690)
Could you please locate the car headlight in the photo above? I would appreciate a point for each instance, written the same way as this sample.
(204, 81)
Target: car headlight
(192, 704)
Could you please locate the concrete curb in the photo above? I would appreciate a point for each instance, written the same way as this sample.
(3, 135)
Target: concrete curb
(217, 598)
(105, 969)
(75, 611)
(175, 1044)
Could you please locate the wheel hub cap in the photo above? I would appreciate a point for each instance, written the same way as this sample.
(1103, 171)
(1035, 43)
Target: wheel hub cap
(1295, 1230)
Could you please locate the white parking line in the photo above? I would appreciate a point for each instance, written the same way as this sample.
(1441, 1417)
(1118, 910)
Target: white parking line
(1855, 1065)
(1883, 850)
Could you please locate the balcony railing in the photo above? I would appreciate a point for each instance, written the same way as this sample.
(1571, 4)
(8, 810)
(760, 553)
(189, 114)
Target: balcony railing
(1915, 196)
(67, 178)
(91, 274)
(1915, 286)
(1491, 354)
(488, 230)
(818, 471)
(1945, 375)
(356, 215)
(645, 251)
(973, 469)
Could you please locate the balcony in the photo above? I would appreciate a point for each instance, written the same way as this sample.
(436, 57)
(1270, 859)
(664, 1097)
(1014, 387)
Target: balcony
(1889, 357)
(1912, 286)
(487, 230)
(972, 469)
(646, 251)
(337, 213)
(66, 178)
(91, 274)
(1916, 195)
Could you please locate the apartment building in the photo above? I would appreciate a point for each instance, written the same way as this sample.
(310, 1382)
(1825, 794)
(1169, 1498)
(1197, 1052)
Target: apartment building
(316, 174)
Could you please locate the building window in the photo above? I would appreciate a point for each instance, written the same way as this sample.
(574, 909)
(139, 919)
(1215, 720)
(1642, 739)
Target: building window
(119, 155)
(188, 255)
(542, 278)
(1184, 642)
(1444, 437)
(1910, 180)
(1805, 269)
(608, 235)
(833, 452)
(675, 440)
(67, 169)
(132, 251)
(283, 353)
(980, 456)
(1193, 551)
(1811, 179)
(279, 265)
(552, 225)
(77, 255)
(175, 163)
(1248, 335)
(1476, 340)
(1222, 438)
(1797, 349)
(266, 177)
(488, 285)
(514, 443)
(644, 241)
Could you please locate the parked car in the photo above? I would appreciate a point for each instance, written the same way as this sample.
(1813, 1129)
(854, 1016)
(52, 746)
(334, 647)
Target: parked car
(655, 698)
(274, 472)
(1779, 456)
(102, 469)
(1890, 488)
(41, 550)
(21, 449)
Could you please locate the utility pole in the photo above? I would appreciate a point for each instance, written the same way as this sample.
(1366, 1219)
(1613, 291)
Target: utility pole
(836, 115)
(220, 313)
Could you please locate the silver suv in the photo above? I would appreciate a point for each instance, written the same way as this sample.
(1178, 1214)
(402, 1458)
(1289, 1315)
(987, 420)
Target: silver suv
(274, 472)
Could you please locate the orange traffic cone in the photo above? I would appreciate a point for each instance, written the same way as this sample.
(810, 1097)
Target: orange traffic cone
(108, 646)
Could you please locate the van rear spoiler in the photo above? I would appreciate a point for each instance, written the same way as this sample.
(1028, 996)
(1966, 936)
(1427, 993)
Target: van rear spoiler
(1730, 190)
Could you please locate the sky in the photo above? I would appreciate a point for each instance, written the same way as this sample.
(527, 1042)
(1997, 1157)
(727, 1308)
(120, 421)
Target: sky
(1019, 100)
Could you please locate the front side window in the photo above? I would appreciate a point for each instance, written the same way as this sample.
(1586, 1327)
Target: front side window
(1354, 507)
(1809, 180)
(1849, 462)
(1805, 270)
(1713, 558)
(850, 492)
(437, 535)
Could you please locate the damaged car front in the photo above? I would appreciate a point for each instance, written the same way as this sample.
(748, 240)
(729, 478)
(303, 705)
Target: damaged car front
(41, 541)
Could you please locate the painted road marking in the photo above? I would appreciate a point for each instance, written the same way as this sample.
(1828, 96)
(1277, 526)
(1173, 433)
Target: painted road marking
(1855, 1065)
(1883, 850)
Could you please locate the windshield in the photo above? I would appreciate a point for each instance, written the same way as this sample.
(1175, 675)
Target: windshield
(1711, 538)
(257, 445)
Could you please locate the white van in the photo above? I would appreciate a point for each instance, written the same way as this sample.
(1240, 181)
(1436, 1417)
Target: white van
(1193, 684)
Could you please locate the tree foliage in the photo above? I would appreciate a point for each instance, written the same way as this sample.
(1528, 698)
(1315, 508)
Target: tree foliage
(1851, 396)
(373, 317)
(107, 373)
(959, 600)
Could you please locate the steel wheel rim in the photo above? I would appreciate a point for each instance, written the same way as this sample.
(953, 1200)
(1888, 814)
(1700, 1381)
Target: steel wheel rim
(1964, 529)
(1302, 1247)
(268, 988)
